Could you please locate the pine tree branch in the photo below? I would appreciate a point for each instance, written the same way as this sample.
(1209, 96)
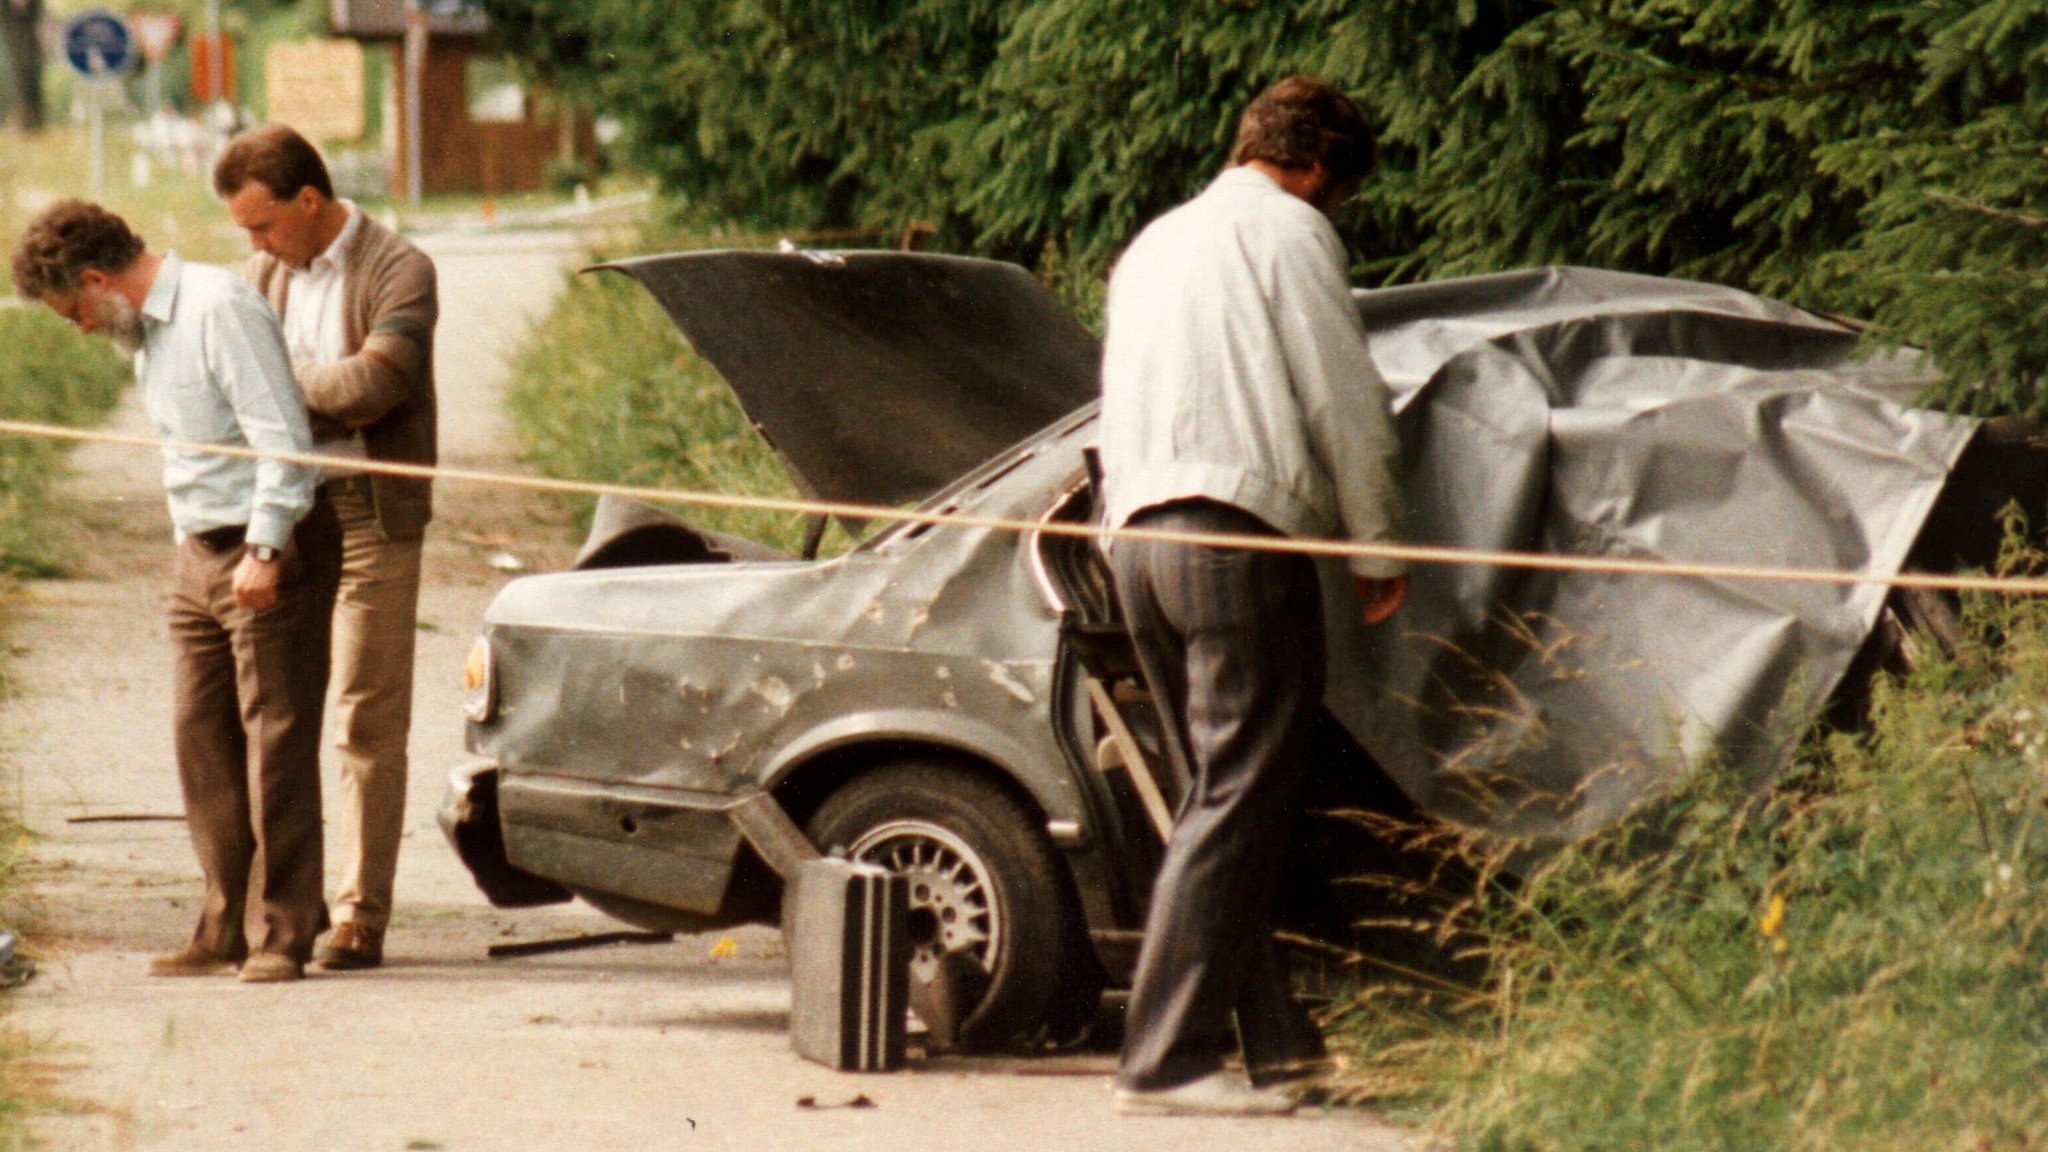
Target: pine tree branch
(1854, 78)
(2027, 219)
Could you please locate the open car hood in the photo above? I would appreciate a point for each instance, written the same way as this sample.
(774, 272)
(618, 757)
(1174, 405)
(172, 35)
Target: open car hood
(878, 377)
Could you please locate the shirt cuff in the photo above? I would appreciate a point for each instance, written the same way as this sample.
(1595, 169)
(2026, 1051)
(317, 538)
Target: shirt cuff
(269, 528)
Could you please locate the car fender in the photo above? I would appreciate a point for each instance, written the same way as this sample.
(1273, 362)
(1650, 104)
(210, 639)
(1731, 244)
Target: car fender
(1040, 771)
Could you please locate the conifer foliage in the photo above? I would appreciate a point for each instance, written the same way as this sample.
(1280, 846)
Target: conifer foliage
(1886, 159)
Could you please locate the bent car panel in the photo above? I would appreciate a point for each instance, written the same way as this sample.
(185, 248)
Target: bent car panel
(716, 678)
(684, 676)
(672, 849)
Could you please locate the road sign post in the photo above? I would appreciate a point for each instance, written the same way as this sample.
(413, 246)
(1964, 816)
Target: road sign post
(155, 32)
(99, 47)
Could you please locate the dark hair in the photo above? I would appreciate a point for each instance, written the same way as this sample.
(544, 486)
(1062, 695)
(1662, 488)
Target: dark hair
(274, 156)
(63, 241)
(1301, 121)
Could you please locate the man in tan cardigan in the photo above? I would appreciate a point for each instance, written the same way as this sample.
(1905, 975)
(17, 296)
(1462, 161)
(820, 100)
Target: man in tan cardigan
(358, 304)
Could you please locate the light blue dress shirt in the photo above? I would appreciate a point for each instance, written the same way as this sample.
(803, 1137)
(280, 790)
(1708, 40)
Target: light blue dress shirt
(213, 370)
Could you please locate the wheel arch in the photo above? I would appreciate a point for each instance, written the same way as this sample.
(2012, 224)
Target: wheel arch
(803, 784)
(806, 771)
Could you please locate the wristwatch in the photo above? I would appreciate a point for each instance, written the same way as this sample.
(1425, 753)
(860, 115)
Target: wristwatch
(263, 553)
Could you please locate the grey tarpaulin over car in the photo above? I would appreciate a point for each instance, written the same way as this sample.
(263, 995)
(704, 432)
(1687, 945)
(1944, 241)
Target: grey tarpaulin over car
(1603, 414)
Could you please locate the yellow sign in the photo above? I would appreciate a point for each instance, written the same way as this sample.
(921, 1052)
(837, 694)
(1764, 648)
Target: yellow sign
(316, 86)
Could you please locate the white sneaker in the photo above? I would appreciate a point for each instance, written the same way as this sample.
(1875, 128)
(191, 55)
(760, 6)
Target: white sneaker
(1217, 1094)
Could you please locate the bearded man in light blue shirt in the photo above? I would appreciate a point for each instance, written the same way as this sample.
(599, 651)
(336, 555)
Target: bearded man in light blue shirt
(253, 580)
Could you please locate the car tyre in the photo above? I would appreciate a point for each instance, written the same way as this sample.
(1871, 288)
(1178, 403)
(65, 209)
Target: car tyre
(986, 884)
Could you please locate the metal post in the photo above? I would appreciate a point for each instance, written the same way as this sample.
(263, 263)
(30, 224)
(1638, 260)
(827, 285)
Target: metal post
(415, 68)
(216, 64)
(97, 119)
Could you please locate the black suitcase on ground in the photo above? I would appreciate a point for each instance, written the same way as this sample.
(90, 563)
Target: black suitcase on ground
(850, 965)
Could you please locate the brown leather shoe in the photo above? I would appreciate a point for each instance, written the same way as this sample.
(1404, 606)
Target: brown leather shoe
(271, 968)
(350, 947)
(191, 960)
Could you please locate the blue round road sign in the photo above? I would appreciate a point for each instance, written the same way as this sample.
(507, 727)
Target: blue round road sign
(98, 44)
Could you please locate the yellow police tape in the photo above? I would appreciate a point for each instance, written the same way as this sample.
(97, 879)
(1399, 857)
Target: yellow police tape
(1409, 553)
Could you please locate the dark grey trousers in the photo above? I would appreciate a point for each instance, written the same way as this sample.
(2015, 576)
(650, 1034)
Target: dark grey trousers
(1231, 643)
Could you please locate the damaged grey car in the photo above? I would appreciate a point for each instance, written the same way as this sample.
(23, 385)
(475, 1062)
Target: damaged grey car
(669, 727)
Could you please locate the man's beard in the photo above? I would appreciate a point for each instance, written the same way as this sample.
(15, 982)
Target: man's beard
(119, 321)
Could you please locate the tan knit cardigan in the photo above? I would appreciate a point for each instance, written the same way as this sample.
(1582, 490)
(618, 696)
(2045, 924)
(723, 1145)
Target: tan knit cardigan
(384, 387)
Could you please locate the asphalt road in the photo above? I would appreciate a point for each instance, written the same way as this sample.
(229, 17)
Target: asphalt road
(650, 1046)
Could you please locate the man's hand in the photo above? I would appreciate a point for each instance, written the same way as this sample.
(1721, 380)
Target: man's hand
(256, 583)
(1382, 598)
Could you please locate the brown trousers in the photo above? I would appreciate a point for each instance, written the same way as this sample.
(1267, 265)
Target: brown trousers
(249, 691)
(375, 618)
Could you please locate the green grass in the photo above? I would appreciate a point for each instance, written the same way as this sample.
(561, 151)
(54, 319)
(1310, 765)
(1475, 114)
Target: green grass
(50, 374)
(1857, 960)
(449, 209)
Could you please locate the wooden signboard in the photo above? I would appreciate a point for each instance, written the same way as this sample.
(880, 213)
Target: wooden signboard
(316, 86)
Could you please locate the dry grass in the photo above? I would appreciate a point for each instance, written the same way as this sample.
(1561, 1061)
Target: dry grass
(1856, 960)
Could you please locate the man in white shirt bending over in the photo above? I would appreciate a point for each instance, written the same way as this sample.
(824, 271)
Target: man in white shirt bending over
(1238, 396)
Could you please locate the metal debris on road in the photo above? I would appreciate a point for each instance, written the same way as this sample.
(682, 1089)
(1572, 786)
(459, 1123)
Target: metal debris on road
(572, 943)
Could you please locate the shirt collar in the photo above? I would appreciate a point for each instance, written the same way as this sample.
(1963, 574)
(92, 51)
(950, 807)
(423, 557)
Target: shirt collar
(163, 291)
(342, 239)
(1244, 176)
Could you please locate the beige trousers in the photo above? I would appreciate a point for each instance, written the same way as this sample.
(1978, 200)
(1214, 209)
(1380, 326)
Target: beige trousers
(375, 614)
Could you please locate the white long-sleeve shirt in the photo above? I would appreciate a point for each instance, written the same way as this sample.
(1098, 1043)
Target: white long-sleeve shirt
(315, 332)
(213, 370)
(1236, 369)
